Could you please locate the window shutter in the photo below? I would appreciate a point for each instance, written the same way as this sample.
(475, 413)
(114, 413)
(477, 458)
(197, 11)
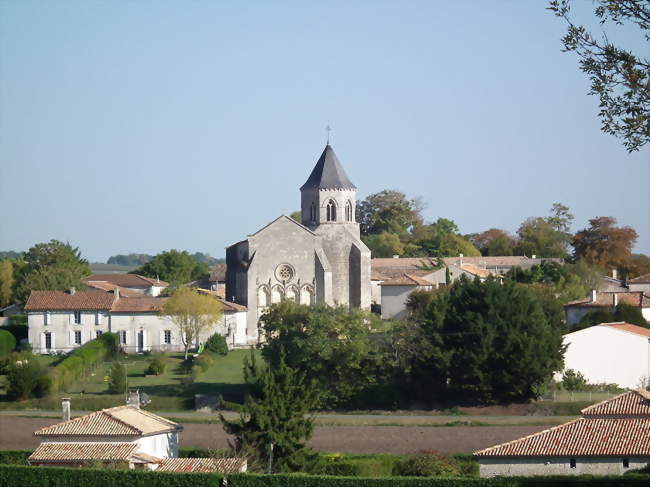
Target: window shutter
(71, 335)
(43, 348)
(144, 340)
(161, 335)
(52, 344)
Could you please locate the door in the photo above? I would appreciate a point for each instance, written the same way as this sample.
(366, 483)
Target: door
(141, 341)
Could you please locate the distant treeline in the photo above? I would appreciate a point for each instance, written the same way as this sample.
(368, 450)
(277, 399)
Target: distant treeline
(141, 259)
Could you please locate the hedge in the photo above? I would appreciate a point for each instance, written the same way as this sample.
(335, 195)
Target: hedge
(84, 359)
(20, 476)
(7, 343)
(14, 457)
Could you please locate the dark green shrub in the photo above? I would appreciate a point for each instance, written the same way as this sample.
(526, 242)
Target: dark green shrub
(217, 345)
(204, 362)
(574, 380)
(7, 343)
(25, 377)
(427, 464)
(117, 379)
(157, 365)
(14, 457)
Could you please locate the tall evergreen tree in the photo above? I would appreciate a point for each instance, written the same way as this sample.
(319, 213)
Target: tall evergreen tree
(278, 412)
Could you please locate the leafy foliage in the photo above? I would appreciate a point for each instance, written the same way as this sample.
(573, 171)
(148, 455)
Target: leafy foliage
(6, 282)
(129, 259)
(546, 236)
(157, 365)
(494, 242)
(191, 312)
(618, 77)
(388, 211)
(26, 377)
(7, 343)
(333, 346)
(54, 266)
(276, 412)
(216, 345)
(427, 464)
(117, 379)
(174, 266)
(622, 312)
(573, 381)
(605, 245)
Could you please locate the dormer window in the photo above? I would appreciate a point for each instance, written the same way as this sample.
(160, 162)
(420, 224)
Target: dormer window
(348, 211)
(331, 211)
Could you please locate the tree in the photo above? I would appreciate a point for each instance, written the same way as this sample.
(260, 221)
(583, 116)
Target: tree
(277, 414)
(384, 245)
(618, 77)
(439, 239)
(129, 259)
(638, 265)
(622, 312)
(605, 245)
(117, 379)
(174, 266)
(296, 215)
(51, 266)
(494, 242)
(6, 282)
(546, 236)
(388, 211)
(332, 346)
(191, 312)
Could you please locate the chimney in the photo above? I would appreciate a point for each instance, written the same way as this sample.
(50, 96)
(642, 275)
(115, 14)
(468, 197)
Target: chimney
(65, 409)
(116, 292)
(614, 274)
(594, 295)
(134, 399)
(615, 299)
(72, 291)
(460, 260)
(534, 256)
(395, 256)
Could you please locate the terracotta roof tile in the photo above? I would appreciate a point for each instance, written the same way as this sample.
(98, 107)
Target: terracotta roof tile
(109, 287)
(117, 421)
(632, 403)
(644, 279)
(639, 330)
(226, 305)
(127, 280)
(221, 465)
(63, 452)
(60, 300)
(407, 280)
(475, 270)
(138, 305)
(581, 437)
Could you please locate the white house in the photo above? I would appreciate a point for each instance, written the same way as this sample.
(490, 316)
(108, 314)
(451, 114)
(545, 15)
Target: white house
(396, 291)
(610, 438)
(575, 310)
(615, 353)
(61, 321)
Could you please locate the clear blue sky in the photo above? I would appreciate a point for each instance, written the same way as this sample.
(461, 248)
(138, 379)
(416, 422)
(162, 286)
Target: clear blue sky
(139, 126)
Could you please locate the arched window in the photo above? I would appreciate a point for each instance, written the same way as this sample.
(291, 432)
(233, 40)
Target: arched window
(348, 211)
(312, 212)
(331, 211)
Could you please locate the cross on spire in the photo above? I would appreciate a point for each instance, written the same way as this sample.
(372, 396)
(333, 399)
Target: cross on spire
(328, 129)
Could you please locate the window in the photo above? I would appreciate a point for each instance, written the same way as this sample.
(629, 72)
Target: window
(48, 341)
(98, 333)
(47, 318)
(77, 317)
(77, 338)
(348, 211)
(168, 337)
(331, 211)
(572, 462)
(312, 212)
(626, 463)
(123, 337)
(98, 318)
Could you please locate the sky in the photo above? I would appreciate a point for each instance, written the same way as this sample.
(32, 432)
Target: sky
(140, 126)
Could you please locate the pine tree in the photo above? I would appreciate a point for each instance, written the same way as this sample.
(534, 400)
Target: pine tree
(117, 379)
(276, 412)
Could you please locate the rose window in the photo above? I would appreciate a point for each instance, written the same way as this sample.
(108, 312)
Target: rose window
(284, 273)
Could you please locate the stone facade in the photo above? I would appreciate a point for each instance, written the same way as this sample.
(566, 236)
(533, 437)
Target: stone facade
(525, 467)
(320, 260)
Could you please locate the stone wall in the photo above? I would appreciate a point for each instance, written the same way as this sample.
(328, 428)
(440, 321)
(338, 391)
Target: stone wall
(508, 467)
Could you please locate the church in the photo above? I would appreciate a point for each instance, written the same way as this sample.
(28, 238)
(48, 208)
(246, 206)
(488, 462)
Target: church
(320, 260)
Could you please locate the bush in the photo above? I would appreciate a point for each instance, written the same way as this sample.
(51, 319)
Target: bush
(157, 365)
(427, 464)
(7, 343)
(204, 362)
(117, 379)
(217, 345)
(14, 457)
(574, 381)
(25, 377)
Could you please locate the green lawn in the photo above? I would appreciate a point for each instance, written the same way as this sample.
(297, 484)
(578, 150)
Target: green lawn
(166, 391)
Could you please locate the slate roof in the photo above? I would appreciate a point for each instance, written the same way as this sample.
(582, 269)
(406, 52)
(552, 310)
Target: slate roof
(61, 300)
(221, 465)
(616, 427)
(328, 173)
(117, 421)
(66, 452)
(127, 280)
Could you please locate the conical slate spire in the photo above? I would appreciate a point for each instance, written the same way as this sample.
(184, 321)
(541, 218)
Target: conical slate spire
(328, 173)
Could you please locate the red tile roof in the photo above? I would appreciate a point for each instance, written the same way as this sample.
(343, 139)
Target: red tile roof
(644, 279)
(639, 330)
(138, 305)
(127, 280)
(581, 437)
(407, 280)
(109, 286)
(475, 270)
(67, 452)
(61, 300)
(403, 263)
(632, 403)
(606, 300)
(221, 465)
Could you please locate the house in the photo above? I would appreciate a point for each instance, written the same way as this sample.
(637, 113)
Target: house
(575, 310)
(396, 291)
(60, 321)
(641, 283)
(135, 282)
(216, 281)
(614, 353)
(611, 437)
(126, 435)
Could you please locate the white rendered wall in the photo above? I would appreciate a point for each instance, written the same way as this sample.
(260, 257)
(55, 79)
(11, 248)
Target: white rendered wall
(525, 467)
(164, 445)
(604, 354)
(393, 301)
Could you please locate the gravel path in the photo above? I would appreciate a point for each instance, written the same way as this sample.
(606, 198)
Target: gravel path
(17, 434)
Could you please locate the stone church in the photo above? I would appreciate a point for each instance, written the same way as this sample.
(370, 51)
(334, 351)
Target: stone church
(320, 260)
